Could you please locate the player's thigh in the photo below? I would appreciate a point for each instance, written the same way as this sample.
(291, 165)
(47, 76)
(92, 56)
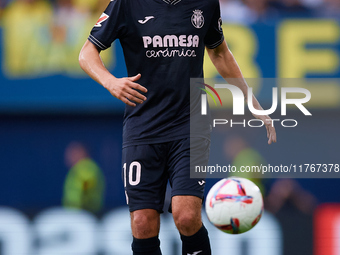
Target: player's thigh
(144, 175)
(181, 154)
(188, 207)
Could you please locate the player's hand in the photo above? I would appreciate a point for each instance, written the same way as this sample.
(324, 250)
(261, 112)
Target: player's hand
(271, 133)
(269, 124)
(126, 90)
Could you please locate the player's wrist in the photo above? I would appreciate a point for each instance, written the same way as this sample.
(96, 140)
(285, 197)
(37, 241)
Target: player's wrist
(108, 82)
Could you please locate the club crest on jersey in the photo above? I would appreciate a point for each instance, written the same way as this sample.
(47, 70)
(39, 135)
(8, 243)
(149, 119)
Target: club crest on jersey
(101, 19)
(197, 19)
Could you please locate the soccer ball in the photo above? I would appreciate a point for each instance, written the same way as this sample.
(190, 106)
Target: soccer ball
(234, 205)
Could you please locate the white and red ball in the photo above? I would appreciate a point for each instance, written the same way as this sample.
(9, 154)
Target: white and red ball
(234, 205)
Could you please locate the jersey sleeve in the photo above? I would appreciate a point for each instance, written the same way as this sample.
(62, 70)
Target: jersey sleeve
(109, 26)
(214, 36)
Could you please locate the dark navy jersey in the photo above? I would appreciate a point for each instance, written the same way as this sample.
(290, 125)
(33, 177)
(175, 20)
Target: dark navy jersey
(164, 41)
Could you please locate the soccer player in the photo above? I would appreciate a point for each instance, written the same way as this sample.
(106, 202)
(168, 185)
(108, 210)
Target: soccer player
(163, 43)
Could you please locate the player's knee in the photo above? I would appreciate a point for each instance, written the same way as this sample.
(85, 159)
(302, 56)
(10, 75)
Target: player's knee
(186, 211)
(187, 222)
(145, 223)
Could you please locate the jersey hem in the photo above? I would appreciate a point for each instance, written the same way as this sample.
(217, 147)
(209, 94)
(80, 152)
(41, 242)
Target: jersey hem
(161, 140)
(153, 140)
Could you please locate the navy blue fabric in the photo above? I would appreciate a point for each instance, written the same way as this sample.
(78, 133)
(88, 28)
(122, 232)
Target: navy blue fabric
(149, 246)
(196, 244)
(158, 164)
(165, 42)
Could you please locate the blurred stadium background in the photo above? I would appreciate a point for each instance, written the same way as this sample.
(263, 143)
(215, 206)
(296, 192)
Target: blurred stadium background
(60, 133)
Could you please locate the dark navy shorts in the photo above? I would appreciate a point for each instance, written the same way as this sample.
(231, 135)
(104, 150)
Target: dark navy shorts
(148, 168)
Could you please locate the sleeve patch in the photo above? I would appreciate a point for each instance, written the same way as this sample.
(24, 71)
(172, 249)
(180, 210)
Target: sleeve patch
(101, 19)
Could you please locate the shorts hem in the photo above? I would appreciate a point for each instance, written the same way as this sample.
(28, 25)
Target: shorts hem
(136, 207)
(199, 194)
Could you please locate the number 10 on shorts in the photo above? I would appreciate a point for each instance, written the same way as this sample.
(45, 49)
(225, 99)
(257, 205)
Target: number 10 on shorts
(135, 169)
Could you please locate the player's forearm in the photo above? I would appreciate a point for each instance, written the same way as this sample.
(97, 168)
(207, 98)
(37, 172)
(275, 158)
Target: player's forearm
(125, 89)
(228, 68)
(92, 64)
